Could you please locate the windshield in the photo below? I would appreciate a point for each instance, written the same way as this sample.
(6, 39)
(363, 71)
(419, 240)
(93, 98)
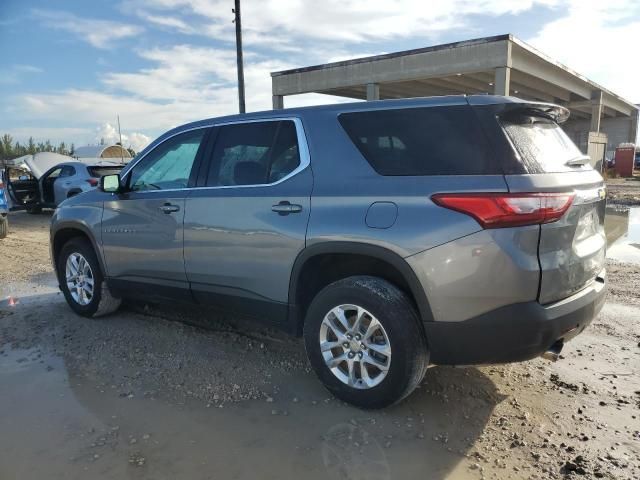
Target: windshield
(542, 144)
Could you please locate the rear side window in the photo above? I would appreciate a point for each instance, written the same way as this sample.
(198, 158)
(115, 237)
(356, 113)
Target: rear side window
(254, 153)
(421, 141)
(542, 145)
(67, 171)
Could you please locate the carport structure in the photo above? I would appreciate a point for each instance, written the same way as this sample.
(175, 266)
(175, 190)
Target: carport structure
(500, 65)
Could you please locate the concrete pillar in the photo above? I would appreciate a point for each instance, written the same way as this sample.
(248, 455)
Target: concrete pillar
(373, 91)
(596, 110)
(633, 127)
(278, 102)
(502, 81)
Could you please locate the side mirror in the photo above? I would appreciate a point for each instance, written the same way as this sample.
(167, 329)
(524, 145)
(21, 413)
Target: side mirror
(110, 183)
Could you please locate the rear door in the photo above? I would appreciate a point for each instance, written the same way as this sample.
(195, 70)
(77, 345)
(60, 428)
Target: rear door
(246, 224)
(63, 183)
(571, 250)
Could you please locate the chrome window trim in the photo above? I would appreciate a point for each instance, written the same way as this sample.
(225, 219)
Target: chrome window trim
(303, 151)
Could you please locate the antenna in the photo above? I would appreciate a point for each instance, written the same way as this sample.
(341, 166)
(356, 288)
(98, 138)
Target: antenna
(121, 147)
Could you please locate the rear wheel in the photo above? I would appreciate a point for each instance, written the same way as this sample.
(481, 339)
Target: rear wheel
(4, 226)
(365, 342)
(82, 282)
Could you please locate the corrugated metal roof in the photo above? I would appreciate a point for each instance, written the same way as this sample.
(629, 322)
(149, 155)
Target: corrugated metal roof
(97, 151)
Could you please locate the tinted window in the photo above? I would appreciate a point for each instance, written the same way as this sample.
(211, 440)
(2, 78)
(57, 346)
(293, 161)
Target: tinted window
(254, 153)
(169, 165)
(543, 146)
(67, 171)
(420, 141)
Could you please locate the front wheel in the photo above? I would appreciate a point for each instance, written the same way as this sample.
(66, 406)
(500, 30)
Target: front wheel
(365, 342)
(82, 282)
(34, 210)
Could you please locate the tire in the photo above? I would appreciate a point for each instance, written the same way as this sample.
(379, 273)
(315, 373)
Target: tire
(408, 357)
(100, 302)
(4, 226)
(34, 210)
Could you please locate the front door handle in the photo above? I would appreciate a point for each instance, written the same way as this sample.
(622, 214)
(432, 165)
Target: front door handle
(167, 208)
(285, 208)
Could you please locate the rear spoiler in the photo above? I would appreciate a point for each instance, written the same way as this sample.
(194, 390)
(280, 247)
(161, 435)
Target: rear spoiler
(557, 113)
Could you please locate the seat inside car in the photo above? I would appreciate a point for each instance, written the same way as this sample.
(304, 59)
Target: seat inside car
(249, 173)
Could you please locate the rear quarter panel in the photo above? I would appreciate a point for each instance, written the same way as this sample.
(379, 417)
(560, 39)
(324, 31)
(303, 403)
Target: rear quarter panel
(345, 186)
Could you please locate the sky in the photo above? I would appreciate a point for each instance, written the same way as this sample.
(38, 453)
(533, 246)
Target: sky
(69, 67)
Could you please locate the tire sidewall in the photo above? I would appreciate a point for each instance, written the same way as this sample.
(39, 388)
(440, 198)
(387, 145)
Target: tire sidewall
(83, 248)
(394, 312)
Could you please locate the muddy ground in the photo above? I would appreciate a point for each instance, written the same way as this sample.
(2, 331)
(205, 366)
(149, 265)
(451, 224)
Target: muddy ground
(156, 392)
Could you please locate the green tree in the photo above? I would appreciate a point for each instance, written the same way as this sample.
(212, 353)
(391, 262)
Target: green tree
(62, 149)
(72, 150)
(7, 145)
(48, 147)
(31, 146)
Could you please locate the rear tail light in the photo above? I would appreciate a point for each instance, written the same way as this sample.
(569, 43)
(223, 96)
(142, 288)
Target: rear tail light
(498, 210)
(93, 182)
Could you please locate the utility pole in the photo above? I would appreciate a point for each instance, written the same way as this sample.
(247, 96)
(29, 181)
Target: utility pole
(238, 23)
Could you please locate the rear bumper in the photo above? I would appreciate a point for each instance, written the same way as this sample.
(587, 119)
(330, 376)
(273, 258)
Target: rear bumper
(515, 332)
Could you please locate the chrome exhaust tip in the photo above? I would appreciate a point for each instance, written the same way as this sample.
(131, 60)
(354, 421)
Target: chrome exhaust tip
(553, 353)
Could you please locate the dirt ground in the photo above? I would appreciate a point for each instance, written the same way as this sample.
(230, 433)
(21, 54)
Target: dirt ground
(154, 392)
(624, 191)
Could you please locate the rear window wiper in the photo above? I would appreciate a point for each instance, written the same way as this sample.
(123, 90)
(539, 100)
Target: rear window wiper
(578, 161)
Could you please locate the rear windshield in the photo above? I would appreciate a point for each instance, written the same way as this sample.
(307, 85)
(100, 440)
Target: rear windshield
(421, 141)
(542, 145)
(98, 172)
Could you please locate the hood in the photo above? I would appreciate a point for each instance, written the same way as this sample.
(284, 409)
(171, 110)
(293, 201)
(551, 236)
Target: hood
(39, 163)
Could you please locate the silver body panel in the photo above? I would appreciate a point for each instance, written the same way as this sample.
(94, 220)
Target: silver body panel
(227, 240)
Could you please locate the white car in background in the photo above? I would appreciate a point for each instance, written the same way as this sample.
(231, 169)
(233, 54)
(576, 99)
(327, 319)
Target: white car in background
(45, 180)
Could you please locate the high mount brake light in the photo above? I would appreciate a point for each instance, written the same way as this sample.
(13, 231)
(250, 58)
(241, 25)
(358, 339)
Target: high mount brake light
(499, 210)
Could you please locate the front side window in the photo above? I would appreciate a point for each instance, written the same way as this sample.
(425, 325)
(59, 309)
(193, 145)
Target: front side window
(169, 165)
(254, 153)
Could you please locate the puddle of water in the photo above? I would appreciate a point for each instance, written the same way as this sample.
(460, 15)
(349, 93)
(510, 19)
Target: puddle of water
(65, 423)
(623, 234)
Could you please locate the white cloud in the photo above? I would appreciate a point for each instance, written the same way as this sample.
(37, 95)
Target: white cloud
(283, 22)
(598, 40)
(187, 82)
(99, 33)
(109, 134)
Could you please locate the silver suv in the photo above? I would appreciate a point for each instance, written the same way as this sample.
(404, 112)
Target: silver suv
(392, 235)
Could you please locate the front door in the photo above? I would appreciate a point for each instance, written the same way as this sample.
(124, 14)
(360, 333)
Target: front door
(246, 226)
(142, 227)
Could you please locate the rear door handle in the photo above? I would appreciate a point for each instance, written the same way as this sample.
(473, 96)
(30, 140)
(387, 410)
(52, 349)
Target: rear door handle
(167, 208)
(285, 208)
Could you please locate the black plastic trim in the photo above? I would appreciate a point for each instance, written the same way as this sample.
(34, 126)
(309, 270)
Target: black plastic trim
(361, 249)
(515, 332)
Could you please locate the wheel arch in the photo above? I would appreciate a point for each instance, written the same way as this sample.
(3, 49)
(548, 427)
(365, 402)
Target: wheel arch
(348, 258)
(66, 232)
